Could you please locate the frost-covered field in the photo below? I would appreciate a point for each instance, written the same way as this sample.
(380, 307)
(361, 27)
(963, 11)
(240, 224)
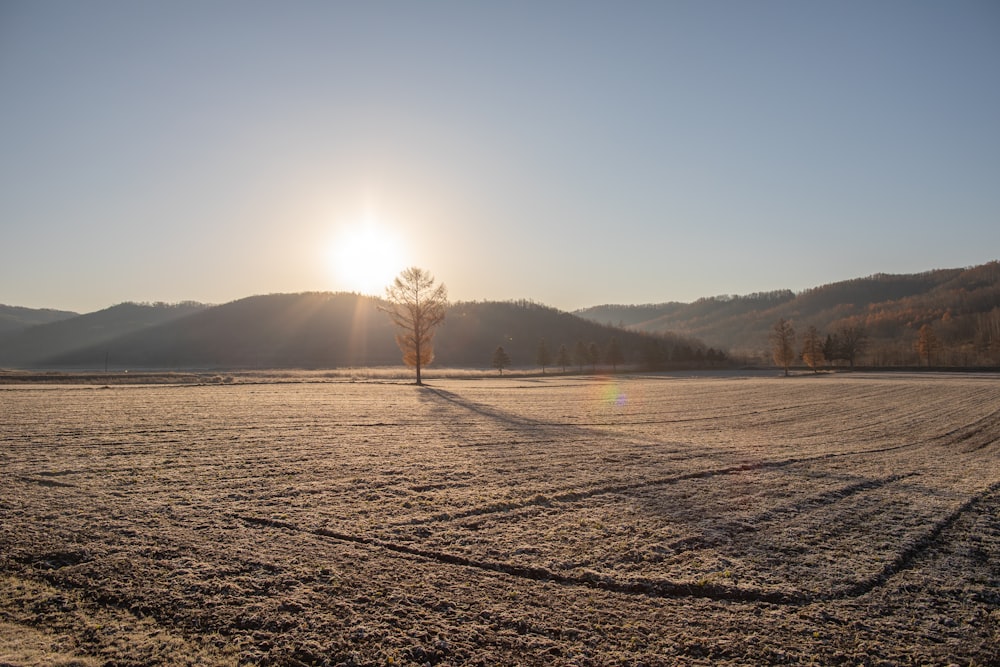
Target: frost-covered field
(847, 519)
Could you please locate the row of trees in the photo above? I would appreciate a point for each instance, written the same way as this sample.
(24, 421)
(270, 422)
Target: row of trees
(583, 355)
(847, 344)
(844, 345)
(656, 354)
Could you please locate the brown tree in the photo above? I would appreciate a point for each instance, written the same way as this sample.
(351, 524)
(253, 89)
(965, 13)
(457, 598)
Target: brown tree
(783, 344)
(593, 355)
(613, 354)
(853, 340)
(580, 354)
(927, 343)
(416, 306)
(563, 358)
(543, 356)
(812, 349)
(501, 359)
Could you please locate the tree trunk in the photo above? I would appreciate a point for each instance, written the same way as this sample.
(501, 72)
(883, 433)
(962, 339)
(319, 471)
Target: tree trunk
(417, 346)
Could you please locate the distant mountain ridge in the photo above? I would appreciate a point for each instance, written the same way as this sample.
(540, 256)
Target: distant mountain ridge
(310, 330)
(17, 318)
(326, 330)
(962, 305)
(51, 340)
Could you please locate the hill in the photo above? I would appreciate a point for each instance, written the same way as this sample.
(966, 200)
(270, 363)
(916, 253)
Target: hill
(328, 330)
(16, 318)
(961, 305)
(36, 345)
(473, 330)
(316, 330)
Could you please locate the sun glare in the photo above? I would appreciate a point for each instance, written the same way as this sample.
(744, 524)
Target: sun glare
(365, 257)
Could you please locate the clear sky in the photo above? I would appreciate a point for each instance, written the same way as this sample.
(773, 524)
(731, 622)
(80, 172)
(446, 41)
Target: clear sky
(574, 153)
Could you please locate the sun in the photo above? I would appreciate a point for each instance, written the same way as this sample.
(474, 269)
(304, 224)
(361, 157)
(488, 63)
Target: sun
(365, 257)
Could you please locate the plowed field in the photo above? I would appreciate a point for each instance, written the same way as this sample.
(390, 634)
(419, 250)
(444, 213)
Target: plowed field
(846, 519)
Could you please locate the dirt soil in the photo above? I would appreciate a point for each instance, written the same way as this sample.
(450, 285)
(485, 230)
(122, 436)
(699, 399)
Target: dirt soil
(846, 519)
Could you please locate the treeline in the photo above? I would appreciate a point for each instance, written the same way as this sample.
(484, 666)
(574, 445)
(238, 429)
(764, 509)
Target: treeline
(938, 344)
(960, 307)
(654, 353)
(534, 335)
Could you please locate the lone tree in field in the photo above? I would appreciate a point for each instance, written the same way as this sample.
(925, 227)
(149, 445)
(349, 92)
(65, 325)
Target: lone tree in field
(543, 357)
(501, 359)
(812, 349)
(927, 343)
(416, 307)
(783, 344)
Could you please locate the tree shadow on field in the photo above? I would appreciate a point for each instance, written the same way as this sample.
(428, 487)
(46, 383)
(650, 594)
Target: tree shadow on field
(527, 429)
(508, 418)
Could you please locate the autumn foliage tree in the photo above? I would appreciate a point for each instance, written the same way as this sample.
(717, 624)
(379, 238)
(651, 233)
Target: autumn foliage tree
(783, 343)
(416, 306)
(927, 343)
(812, 349)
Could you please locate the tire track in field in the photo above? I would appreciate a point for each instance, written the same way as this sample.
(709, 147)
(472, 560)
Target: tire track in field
(658, 588)
(907, 556)
(987, 426)
(814, 502)
(541, 499)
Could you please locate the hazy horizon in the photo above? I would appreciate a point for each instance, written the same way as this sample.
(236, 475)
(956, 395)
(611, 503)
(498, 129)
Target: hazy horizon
(472, 299)
(573, 154)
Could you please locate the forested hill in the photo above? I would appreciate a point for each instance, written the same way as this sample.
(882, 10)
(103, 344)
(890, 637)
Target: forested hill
(319, 330)
(16, 318)
(324, 330)
(36, 344)
(961, 305)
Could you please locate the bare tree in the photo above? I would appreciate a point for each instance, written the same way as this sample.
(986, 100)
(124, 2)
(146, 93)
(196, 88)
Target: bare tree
(543, 357)
(812, 349)
(853, 340)
(563, 358)
(580, 354)
(416, 306)
(831, 348)
(613, 354)
(500, 359)
(593, 355)
(783, 344)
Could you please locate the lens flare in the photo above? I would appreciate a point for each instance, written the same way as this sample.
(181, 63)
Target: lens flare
(613, 394)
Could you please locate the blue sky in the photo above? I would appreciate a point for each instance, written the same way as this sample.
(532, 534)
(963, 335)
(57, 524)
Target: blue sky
(573, 153)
